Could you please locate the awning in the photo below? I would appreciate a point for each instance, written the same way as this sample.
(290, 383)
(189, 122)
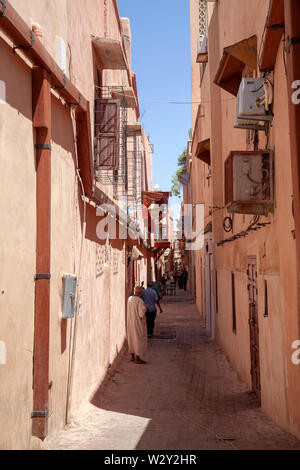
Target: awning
(155, 197)
(232, 64)
(202, 58)
(203, 151)
(126, 93)
(134, 129)
(272, 36)
(110, 53)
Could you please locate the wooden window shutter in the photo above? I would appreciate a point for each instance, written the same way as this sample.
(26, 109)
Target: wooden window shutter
(107, 134)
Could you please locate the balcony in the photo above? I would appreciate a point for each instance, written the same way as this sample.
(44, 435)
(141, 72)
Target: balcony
(110, 53)
(125, 94)
(200, 147)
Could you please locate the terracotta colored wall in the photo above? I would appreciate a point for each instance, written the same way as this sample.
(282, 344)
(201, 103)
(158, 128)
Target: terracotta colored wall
(274, 246)
(17, 250)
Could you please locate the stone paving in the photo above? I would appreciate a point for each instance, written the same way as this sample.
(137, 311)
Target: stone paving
(188, 397)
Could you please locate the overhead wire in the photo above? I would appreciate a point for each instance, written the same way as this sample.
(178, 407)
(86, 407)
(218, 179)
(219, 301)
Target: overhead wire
(121, 93)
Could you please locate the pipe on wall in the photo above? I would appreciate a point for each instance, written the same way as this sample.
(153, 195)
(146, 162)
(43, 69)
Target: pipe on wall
(41, 102)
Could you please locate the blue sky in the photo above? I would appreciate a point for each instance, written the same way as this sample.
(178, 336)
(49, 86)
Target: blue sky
(161, 59)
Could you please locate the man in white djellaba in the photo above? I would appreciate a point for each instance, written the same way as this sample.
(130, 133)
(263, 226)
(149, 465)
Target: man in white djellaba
(137, 327)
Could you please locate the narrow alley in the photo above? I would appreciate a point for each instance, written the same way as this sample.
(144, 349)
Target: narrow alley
(187, 397)
(146, 149)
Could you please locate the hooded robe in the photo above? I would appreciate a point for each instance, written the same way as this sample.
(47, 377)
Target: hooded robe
(137, 327)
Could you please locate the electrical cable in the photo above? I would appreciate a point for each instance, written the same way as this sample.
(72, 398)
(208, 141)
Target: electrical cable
(160, 101)
(253, 226)
(74, 339)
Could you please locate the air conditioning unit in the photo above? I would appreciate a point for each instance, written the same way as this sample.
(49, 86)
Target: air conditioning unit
(253, 103)
(249, 185)
(202, 50)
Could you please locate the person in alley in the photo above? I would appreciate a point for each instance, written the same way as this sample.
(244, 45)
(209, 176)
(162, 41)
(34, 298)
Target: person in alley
(137, 327)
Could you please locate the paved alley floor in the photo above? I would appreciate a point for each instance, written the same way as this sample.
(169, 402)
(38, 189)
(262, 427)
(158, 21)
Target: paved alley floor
(187, 397)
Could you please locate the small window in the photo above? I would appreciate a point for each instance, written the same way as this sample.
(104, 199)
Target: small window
(233, 303)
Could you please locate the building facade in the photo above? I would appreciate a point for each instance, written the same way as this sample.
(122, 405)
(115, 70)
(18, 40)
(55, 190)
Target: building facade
(246, 275)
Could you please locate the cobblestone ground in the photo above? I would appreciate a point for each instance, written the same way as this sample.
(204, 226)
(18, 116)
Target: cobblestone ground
(186, 397)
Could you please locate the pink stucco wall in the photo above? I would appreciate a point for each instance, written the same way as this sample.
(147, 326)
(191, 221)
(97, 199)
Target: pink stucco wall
(231, 21)
(102, 283)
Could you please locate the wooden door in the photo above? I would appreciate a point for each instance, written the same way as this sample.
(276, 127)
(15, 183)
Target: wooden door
(253, 326)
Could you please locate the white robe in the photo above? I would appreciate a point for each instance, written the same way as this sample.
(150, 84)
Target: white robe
(137, 327)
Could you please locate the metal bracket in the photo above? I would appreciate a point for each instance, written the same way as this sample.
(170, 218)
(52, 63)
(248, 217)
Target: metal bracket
(61, 87)
(43, 147)
(42, 276)
(275, 27)
(291, 42)
(40, 414)
(76, 104)
(26, 47)
(3, 3)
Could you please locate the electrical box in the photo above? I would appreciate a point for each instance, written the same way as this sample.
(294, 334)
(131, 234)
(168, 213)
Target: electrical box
(251, 101)
(202, 50)
(249, 182)
(69, 296)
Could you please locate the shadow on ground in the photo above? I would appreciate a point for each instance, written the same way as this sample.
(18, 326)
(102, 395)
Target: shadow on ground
(187, 396)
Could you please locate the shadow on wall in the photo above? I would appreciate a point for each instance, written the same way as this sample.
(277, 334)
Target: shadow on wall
(91, 229)
(61, 127)
(16, 78)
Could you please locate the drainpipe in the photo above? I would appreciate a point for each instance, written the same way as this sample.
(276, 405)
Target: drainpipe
(292, 32)
(41, 100)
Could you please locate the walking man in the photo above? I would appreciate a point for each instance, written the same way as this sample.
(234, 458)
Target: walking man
(151, 300)
(137, 327)
(185, 276)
